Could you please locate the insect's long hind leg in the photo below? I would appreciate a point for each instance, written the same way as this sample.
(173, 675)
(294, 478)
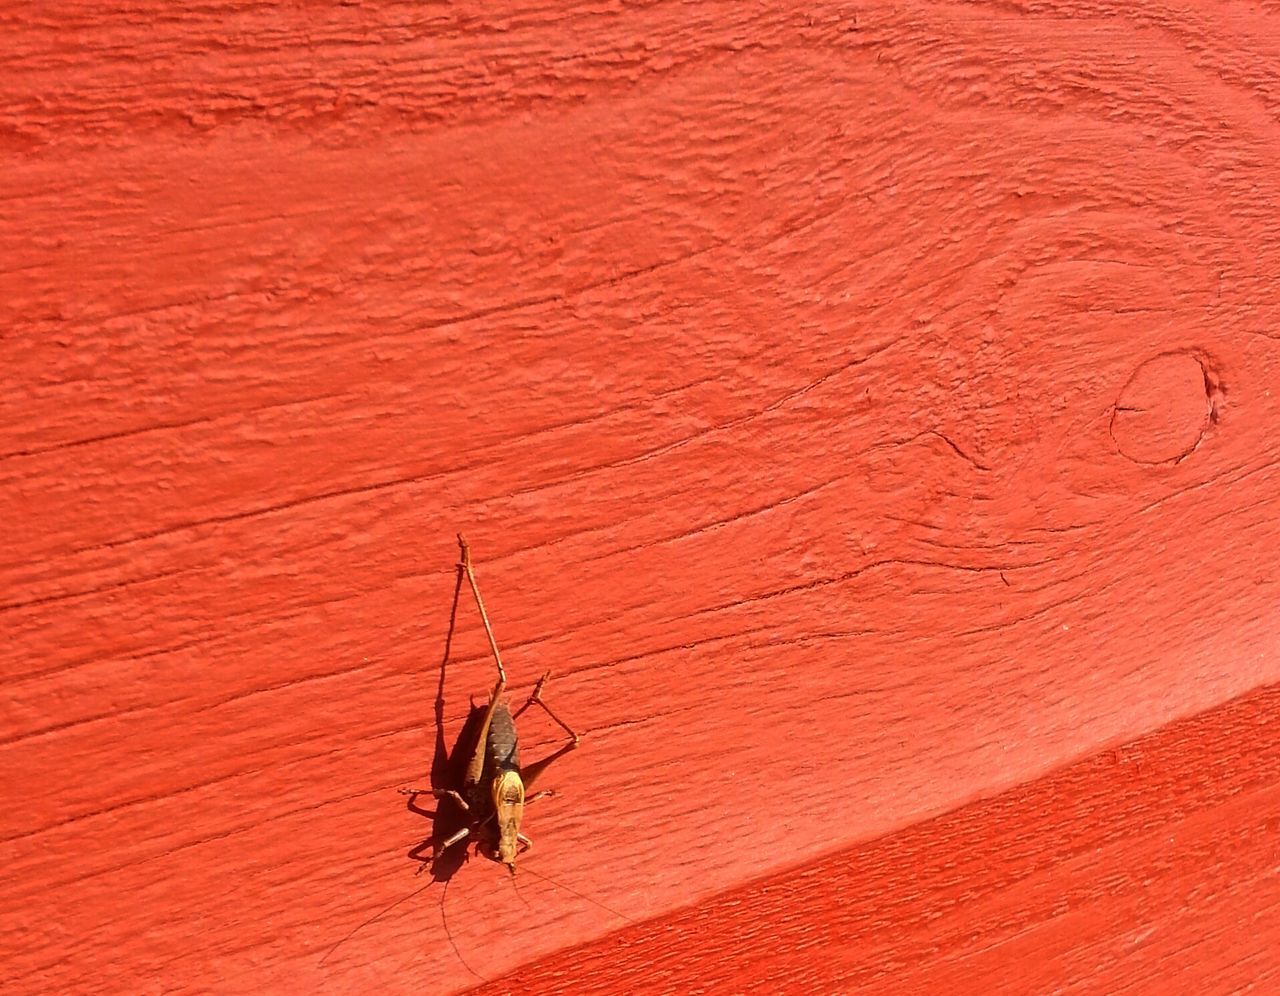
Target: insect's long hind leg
(536, 697)
(476, 767)
(484, 616)
(532, 771)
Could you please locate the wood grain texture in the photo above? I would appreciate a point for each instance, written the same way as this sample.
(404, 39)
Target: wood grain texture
(863, 410)
(1151, 868)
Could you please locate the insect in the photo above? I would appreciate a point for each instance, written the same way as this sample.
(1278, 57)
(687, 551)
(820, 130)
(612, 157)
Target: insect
(492, 797)
(493, 790)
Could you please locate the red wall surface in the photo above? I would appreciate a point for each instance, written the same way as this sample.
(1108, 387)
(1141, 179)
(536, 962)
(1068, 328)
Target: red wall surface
(869, 412)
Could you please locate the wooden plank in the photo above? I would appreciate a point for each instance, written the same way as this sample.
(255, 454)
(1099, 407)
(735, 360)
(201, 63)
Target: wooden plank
(871, 399)
(1149, 868)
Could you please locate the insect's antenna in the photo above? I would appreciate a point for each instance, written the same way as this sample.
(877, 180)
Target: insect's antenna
(575, 892)
(518, 892)
(484, 616)
(377, 916)
(444, 919)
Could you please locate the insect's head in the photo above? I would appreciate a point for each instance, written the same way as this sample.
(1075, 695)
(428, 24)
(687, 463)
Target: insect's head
(508, 807)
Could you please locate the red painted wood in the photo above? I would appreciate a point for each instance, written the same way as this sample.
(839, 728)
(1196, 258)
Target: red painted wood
(1147, 869)
(863, 409)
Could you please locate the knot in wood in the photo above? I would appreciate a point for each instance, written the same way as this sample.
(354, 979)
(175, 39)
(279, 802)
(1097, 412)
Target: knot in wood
(1165, 409)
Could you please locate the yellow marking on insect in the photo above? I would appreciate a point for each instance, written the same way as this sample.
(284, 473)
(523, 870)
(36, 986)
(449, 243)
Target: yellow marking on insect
(508, 807)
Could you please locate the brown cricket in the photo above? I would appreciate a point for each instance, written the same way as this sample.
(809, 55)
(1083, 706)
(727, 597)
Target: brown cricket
(494, 787)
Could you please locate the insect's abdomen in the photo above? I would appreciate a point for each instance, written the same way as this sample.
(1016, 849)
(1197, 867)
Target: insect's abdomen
(503, 747)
